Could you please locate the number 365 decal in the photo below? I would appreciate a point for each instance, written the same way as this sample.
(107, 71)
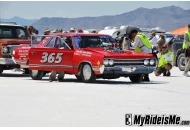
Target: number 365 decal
(51, 58)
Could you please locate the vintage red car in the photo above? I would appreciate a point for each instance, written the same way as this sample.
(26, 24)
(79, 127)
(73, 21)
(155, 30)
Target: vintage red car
(88, 56)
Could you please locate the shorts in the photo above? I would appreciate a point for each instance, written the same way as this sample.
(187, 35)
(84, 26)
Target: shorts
(161, 70)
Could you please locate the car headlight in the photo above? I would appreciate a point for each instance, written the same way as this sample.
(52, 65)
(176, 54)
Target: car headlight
(5, 49)
(111, 62)
(106, 62)
(146, 62)
(152, 62)
(13, 52)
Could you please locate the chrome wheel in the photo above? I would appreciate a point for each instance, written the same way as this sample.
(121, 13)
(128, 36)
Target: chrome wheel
(87, 72)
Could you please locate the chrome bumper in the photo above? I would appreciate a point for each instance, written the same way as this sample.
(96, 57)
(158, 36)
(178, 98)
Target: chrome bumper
(7, 61)
(135, 69)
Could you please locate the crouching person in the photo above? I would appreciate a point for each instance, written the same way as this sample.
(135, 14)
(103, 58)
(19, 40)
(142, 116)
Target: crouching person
(60, 77)
(165, 61)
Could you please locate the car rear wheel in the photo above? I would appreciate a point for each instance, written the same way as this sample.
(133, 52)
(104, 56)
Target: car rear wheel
(181, 62)
(36, 74)
(136, 78)
(1, 69)
(87, 74)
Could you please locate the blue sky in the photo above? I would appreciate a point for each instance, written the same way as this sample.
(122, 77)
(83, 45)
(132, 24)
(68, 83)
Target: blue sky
(35, 9)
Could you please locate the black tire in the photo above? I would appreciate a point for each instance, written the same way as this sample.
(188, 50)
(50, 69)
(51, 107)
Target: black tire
(1, 69)
(92, 76)
(181, 62)
(136, 78)
(78, 77)
(36, 76)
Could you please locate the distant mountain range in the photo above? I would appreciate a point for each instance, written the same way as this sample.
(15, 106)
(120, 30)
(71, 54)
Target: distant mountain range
(20, 21)
(168, 18)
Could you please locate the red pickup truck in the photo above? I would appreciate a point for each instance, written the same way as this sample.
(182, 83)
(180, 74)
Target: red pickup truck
(87, 56)
(11, 35)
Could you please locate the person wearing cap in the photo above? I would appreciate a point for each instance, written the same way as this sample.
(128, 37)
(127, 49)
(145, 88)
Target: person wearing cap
(55, 31)
(80, 31)
(47, 31)
(165, 61)
(161, 41)
(186, 47)
(141, 44)
(153, 39)
(72, 30)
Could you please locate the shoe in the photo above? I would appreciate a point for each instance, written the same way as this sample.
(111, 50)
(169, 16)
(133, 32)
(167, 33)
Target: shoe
(168, 73)
(164, 74)
(60, 80)
(50, 80)
(186, 74)
(147, 79)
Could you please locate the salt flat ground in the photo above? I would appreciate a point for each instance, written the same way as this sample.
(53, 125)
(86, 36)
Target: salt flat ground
(25, 102)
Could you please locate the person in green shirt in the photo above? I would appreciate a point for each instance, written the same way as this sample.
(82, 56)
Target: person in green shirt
(186, 46)
(165, 61)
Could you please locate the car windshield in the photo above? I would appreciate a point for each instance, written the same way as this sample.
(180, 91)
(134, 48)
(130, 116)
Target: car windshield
(93, 41)
(13, 32)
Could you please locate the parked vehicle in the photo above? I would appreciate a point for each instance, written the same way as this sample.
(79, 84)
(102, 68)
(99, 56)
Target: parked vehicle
(11, 35)
(88, 56)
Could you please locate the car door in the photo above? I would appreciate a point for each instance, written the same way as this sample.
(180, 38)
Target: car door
(55, 56)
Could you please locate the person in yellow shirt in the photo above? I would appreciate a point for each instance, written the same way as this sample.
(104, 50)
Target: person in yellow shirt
(141, 44)
(186, 46)
(165, 61)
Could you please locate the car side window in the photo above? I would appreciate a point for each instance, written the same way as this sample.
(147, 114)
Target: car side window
(51, 43)
(21, 33)
(60, 43)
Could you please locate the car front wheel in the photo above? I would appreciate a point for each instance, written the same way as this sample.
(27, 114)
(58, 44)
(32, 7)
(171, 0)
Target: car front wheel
(36, 74)
(136, 78)
(87, 74)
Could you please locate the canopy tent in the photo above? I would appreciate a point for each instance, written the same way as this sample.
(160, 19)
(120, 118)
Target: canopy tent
(179, 31)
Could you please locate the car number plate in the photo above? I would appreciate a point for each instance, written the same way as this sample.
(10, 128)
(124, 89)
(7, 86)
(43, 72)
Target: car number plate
(129, 69)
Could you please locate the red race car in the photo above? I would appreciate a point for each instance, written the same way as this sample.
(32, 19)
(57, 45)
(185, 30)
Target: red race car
(87, 56)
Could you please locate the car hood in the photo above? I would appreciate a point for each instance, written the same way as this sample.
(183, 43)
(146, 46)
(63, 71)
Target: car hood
(130, 54)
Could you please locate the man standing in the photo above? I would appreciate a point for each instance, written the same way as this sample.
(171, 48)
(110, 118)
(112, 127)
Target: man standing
(142, 44)
(186, 46)
(153, 39)
(161, 41)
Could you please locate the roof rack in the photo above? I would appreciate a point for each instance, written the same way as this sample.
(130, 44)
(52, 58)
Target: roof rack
(10, 23)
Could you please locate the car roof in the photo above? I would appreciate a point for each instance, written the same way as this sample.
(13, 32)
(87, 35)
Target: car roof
(6, 24)
(78, 34)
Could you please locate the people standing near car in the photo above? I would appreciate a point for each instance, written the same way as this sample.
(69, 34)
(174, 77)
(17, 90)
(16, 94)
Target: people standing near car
(186, 47)
(72, 30)
(153, 39)
(53, 74)
(141, 44)
(80, 31)
(47, 31)
(161, 41)
(55, 31)
(165, 61)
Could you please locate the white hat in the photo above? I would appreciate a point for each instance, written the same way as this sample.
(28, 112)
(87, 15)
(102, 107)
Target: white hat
(55, 31)
(72, 29)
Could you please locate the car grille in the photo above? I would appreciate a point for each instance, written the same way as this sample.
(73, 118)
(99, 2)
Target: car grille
(128, 62)
(11, 48)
